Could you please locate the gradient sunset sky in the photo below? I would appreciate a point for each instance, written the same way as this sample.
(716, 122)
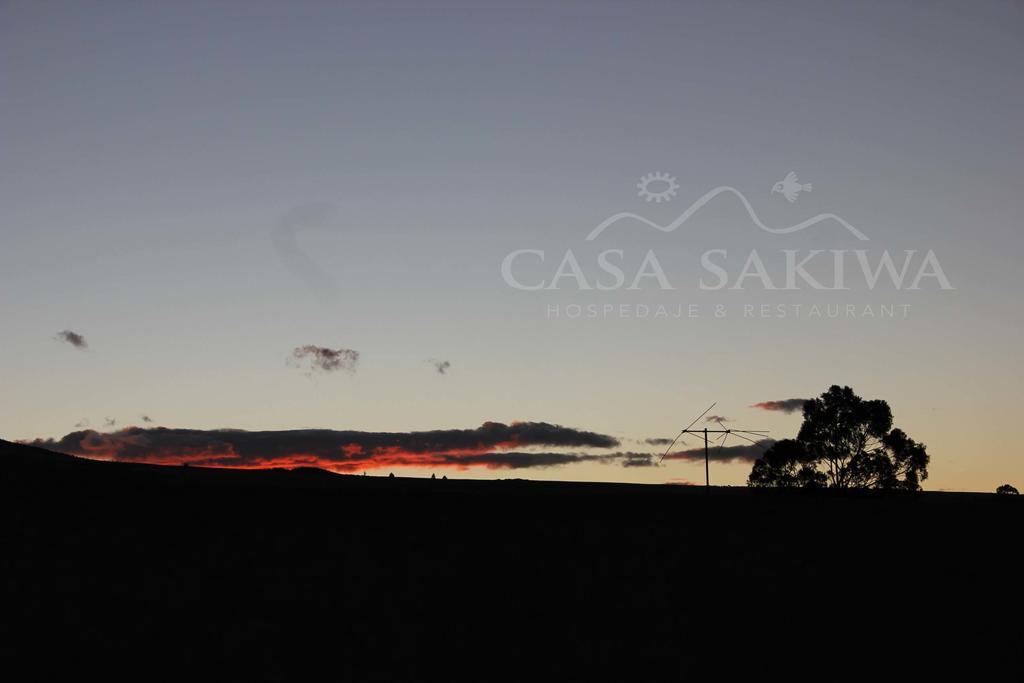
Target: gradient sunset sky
(198, 189)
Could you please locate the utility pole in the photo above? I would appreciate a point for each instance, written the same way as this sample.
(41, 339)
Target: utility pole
(758, 434)
(707, 460)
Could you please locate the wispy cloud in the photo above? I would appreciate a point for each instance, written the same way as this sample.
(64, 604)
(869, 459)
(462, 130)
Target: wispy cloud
(75, 339)
(285, 238)
(441, 366)
(321, 358)
(745, 452)
(786, 405)
(638, 459)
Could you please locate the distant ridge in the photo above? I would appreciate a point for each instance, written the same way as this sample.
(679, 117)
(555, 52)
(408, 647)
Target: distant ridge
(9, 449)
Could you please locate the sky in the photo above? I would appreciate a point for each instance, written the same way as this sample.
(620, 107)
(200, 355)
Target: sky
(272, 216)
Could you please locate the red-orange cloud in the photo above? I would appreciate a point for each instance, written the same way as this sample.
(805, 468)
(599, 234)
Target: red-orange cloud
(489, 446)
(786, 405)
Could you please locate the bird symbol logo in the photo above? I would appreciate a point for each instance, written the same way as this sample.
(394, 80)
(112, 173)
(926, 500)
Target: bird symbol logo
(790, 187)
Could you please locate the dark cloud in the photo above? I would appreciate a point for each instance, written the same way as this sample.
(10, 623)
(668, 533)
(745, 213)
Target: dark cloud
(83, 423)
(745, 452)
(717, 419)
(325, 359)
(658, 442)
(523, 460)
(441, 366)
(787, 405)
(109, 422)
(493, 445)
(147, 419)
(638, 459)
(73, 338)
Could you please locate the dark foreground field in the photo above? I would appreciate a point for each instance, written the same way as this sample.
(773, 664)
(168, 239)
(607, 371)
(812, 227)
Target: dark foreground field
(108, 566)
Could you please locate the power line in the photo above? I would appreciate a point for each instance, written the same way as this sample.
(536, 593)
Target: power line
(724, 436)
(684, 430)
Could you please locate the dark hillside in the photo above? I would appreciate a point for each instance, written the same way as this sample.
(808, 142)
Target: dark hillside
(389, 578)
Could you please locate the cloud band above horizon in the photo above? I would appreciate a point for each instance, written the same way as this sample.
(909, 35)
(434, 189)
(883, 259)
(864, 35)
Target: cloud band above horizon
(493, 445)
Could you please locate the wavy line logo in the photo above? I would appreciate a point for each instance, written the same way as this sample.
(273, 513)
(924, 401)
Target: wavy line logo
(626, 217)
(787, 269)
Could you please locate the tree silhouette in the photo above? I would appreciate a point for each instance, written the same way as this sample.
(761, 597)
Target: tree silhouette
(1008, 489)
(844, 442)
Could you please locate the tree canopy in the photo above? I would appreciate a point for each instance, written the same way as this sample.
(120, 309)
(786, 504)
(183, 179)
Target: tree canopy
(845, 442)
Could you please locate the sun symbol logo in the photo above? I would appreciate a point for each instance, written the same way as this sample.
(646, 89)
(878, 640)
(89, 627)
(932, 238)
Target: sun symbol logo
(665, 187)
